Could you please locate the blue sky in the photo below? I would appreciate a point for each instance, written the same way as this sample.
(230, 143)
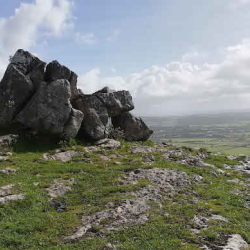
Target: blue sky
(175, 56)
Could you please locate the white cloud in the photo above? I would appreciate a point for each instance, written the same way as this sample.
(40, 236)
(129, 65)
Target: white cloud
(180, 87)
(88, 38)
(243, 1)
(22, 29)
(115, 34)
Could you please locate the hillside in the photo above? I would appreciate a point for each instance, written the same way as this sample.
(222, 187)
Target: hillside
(121, 195)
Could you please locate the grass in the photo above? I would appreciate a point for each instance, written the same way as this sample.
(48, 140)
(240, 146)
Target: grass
(32, 224)
(228, 147)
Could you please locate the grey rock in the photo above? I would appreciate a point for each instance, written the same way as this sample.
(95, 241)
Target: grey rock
(73, 85)
(15, 90)
(73, 124)
(92, 149)
(7, 196)
(148, 159)
(13, 197)
(117, 102)
(59, 187)
(108, 143)
(164, 182)
(31, 66)
(4, 158)
(8, 171)
(60, 206)
(146, 149)
(21, 79)
(8, 140)
(236, 242)
(49, 109)
(56, 71)
(63, 156)
(96, 124)
(134, 128)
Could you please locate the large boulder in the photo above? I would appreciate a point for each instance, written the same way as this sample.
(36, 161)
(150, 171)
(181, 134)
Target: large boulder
(73, 124)
(134, 128)
(31, 66)
(96, 124)
(116, 102)
(56, 71)
(49, 109)
(20, 80)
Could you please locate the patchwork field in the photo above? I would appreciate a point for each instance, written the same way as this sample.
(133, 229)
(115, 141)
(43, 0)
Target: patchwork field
(225, 133)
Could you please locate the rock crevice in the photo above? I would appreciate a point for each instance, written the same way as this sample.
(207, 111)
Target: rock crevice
(47, 101)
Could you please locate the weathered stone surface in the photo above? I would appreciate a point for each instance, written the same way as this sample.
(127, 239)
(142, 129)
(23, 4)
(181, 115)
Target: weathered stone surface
(22, 77)
(117, 102)
(236, 242)
(108, 143)
(164, 182)
(96, 124)
(3, 158)
(31, 66)
(146, 149)
(49, 109)
(39, 101)
(73, 85)
(7, 196)
(60, 206)
(8, 140)
(56, 71)
(73, 124)
(8, 171)
(134, 128)
(62, 156)
(15, 90)
(59, 187)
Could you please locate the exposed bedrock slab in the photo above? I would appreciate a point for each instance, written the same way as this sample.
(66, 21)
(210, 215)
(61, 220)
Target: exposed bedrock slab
(164, 183)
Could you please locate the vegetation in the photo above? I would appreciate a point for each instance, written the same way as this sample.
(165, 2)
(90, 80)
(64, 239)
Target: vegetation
(225, 133)
(33, 224)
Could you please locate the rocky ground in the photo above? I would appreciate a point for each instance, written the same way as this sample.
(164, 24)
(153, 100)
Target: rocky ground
(119, 195)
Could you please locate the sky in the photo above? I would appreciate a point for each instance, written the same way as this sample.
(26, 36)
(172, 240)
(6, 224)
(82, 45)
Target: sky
(175, 57)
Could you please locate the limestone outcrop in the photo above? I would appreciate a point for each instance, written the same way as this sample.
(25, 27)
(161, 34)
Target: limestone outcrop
(45, 100)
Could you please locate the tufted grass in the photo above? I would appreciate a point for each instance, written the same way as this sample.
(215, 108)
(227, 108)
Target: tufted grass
(32, 224)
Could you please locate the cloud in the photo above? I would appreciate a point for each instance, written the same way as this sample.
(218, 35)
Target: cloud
(115, 34)
(22, 29)
(243, 1)
(88, 38)
(180, 87)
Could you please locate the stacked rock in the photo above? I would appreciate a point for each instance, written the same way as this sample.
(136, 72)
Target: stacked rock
(45, 100)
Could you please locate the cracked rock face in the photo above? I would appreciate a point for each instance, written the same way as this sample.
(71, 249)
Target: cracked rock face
(164, 183)
(134, 128)
(49, 109)
(97, 123)
(116, 102)
(20, 80)
(48, 102)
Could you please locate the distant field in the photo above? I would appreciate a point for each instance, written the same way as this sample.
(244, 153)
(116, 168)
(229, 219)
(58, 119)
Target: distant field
(225, 133)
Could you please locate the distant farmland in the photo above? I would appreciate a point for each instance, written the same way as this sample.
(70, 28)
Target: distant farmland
(228, 133)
